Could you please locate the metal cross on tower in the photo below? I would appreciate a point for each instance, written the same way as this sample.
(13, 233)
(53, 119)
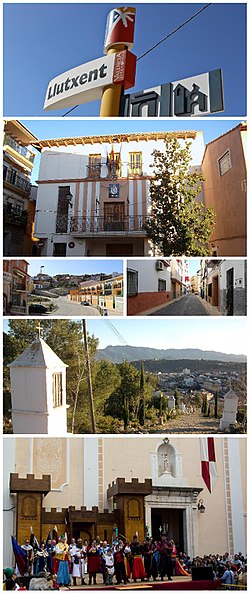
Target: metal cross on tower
(40, 329)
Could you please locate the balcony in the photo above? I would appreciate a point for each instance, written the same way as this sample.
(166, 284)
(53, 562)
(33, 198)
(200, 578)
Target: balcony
(14, 215)
(12, 178)
(16, 287)
(22, 150)
(106, 225)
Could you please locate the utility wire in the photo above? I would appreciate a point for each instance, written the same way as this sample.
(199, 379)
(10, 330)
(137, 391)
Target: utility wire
(174, 31)
(159, 42)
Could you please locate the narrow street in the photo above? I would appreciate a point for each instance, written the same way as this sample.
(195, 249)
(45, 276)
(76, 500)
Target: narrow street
(69, 308)
(188, 305)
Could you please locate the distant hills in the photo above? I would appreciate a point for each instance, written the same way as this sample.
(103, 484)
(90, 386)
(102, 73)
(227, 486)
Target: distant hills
(119, 353)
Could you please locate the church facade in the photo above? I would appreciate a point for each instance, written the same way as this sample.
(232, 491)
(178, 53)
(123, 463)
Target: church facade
(92, 486)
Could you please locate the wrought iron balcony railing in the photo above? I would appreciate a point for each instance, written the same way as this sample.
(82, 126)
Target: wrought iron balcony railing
(14, 215)
(11, 177)
(110, 224)
(22, 150)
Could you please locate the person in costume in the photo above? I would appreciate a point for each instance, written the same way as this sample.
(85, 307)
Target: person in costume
(138, 570)
(108, 558)
(93, 561)
(77, 559)
(30, 555)
(165, 562)
(61, 554)
(119, 555)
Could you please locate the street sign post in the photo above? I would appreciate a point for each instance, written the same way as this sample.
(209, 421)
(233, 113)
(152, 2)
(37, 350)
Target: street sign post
(86, 82)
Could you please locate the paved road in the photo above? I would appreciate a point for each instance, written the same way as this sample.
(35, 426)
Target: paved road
(188, 305)
(69, 308)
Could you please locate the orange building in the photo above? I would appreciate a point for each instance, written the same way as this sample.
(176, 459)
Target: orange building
(224, 167)
(16, 286)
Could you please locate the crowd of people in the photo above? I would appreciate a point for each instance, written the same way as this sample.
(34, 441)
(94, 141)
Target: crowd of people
(56, 563)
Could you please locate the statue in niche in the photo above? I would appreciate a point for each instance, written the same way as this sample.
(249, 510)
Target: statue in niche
(166, 464)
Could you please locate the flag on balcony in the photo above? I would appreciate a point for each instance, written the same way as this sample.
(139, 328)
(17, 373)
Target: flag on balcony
(112, 153)
(208, 462)
(20, 556)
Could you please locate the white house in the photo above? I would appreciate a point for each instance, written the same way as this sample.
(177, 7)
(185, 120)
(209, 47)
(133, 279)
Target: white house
(148, 284)
(93, 192)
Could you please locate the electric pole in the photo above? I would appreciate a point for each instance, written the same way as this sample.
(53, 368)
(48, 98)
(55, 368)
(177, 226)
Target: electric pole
(89, 380)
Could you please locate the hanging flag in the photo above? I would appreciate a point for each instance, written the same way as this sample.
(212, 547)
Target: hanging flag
(33, 541)
(112, 153)
(20, 556)
(208, 462)
(48, 537)
(55, 534)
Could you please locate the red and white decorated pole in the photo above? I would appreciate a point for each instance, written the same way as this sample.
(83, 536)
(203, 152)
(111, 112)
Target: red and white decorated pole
(119, 37)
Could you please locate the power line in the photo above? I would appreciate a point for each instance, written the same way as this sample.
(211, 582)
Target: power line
(158, 43)
(174, 31)
(116, 332)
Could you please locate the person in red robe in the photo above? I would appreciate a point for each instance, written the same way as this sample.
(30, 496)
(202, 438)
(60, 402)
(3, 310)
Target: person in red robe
(94, 563)
(138, 570)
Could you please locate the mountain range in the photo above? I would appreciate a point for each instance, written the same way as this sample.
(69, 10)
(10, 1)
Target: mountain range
(120, 353)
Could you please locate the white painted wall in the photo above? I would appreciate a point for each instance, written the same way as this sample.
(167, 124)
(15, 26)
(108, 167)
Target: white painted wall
(32, 401)
(238, 266)
(148, 276)
(237, 511)
(90, 471)
(9, 456)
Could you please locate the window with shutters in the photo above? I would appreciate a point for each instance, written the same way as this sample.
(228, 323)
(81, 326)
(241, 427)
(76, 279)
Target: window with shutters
(224, 163)
(132, 280)
(135, 164)
(57, 389)
(94, 166)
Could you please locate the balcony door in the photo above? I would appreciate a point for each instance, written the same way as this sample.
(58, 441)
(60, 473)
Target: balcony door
(114, 216)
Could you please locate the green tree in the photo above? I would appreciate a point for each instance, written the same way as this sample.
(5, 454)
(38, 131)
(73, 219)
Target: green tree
(216, 405)
(177, 399)
(141, 412)
(124, 401)
(179, 224)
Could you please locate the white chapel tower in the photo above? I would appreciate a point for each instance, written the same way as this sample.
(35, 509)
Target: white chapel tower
(38, 391)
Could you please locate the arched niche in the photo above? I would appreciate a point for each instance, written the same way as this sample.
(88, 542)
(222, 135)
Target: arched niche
(166, 460)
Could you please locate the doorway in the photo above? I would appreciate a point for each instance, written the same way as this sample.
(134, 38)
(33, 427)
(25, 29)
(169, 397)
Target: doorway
(119, 249)
(230, 292)
(169, 522)
(114, 216)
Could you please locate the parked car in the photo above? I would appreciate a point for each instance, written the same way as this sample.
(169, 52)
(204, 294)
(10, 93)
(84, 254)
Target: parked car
(85, 303)
(37, 308)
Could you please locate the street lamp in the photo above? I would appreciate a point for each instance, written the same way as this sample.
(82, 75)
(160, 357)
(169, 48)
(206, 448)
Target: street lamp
(201, 506)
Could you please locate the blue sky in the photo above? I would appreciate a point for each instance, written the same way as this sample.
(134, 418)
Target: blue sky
(43, 40)
(227, 335)
(65, 266)
(60, 128)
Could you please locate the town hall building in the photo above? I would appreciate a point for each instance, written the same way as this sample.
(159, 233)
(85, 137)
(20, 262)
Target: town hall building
(93, 192)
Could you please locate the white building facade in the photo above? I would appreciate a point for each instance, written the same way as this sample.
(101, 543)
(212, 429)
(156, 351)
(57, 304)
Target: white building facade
(81, 471)
(93, 192)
